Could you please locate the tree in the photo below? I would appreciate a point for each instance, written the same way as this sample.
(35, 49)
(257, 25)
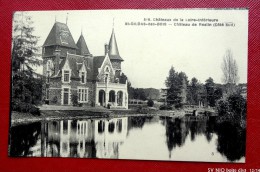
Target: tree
(183, 82)
(176, 84)
(210, 85)
(237, 105)
(122, 78)
(24, 43)
(229, 68)
(150, 103)
(230, 72)
(218, 93)
(26, 90)
(193, 91)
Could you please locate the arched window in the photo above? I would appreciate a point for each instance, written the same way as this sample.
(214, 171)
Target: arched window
(107, 69)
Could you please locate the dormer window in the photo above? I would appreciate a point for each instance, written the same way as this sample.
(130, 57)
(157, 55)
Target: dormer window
(66, 76)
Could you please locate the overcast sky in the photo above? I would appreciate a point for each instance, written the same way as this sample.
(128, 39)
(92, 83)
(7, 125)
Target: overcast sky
(150, 51)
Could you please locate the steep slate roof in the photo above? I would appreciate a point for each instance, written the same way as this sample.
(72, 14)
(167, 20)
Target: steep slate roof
(113, 49)
(75, 64)
(82, 46)
(60, 35)
(97, 62)
(90, 68)
(74, 60)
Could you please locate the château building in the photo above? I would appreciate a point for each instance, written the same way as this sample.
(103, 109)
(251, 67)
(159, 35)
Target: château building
(72, 71)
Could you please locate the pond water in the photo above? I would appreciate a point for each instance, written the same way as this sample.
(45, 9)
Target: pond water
(151, 138)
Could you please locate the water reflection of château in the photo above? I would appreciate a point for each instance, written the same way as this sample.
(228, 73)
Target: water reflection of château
(103, 138)
(99, 138)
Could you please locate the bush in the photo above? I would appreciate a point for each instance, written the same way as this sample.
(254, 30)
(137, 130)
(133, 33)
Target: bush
(233, 107)
(20, 106)
(178, 105)
(74, 99)
(222, 107)
(150, 103)
(143, 110)
(165, 107)
(35, 111)
(54, 100)
(237, 104)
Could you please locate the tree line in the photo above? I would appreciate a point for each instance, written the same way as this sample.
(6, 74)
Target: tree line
(225, 97)
(181, 91)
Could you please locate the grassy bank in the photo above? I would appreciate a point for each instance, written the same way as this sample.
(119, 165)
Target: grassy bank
(18, 118)
(70, 112)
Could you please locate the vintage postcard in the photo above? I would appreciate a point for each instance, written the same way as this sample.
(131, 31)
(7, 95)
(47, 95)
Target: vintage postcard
(165, 85)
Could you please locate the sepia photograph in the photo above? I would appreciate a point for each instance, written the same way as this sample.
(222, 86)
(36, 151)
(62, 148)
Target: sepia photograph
(167, 85)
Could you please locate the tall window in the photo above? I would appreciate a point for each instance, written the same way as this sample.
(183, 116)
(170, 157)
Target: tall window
(66, 76)
(83, 95)
(83, 77)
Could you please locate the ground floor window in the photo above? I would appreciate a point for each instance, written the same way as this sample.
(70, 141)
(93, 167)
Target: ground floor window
(66, 96)
(83, 95)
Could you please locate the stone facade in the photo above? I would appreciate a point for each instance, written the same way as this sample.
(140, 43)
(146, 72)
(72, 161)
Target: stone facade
(71, 70)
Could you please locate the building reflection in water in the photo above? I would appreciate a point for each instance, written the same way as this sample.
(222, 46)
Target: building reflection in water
(109, 134)
(98, 138)
(102, 138)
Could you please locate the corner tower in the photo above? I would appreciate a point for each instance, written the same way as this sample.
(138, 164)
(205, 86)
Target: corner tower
(61, 39)
(82, 46)
(114, 55)
(56, 46)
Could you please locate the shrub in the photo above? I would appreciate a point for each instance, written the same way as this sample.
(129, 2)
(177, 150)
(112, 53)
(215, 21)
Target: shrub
(35, 111)
(143, 110)
(74, 99)
(178, 105)
(234, 107)
(150, 103)
(237, 104)
(54, 100)
(20, 106)
(222, 107)
(165, 107)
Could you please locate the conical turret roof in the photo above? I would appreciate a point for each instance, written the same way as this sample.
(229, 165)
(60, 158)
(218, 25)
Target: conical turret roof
(113, 49)
(60, 35)
(82, 46)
